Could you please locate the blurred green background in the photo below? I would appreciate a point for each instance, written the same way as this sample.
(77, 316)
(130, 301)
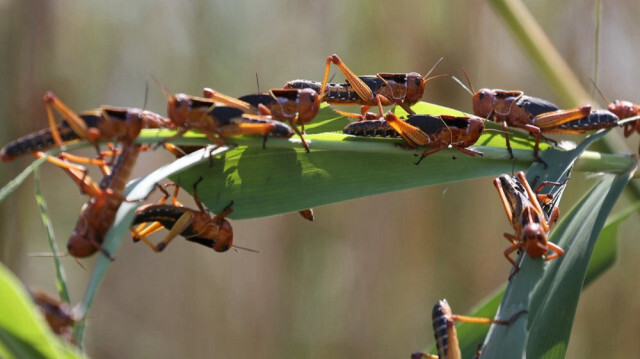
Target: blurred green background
(362, 279)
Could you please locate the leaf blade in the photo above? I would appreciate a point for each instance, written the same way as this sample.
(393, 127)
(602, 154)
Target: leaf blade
(24, 333)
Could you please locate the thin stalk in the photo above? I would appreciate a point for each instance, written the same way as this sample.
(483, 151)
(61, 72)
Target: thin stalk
(61, 278)
(7, 189)
(541, 51)
(596, 50)
(546, 57)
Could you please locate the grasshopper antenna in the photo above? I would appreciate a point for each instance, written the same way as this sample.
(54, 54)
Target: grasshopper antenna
(332, 76)
(146, 94)
(427, 78)
(258, 82)
(472, 91)
(434, 67)
(461, 84)
(468, 79)
(166, 93)
(600, 92)
(245, 249)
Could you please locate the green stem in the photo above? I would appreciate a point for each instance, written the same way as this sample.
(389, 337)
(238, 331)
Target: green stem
(596, 50)
(61, 281)
(541, 51)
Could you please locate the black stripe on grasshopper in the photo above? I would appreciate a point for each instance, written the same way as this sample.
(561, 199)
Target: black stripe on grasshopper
(442, 325)
(201, 228)
(426, 123)
(373, 128)
(436, 132)
(536, 106)
(597, 119)
(225, 115)
(334, 93)
(37, 141)
(43, 140)
(444, 331)
(166, 214)
(515, 192)
(259, 98)
(337, 93)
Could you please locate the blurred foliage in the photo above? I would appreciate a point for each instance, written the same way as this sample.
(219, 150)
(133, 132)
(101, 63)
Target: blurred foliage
(23, 331)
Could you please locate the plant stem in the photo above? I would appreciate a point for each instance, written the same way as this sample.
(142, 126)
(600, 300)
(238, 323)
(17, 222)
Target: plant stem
(541, 51)
(61, 277)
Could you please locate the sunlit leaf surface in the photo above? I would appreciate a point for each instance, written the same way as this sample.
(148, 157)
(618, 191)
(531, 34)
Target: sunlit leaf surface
(23, 331)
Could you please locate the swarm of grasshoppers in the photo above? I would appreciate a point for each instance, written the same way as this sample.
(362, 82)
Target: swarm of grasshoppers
(282, 113)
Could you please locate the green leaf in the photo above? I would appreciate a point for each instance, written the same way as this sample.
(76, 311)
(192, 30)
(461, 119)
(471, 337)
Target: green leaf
(605, 253)
(61, 281)
(556, 296)
(550, 290)
(338, 168)
(23, 331)
(282, 178)
(604, 256)
(560, 164)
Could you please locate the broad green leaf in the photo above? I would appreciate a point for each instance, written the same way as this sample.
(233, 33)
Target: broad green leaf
(560, 163)
(604, 256)
(283, 178)
(606, 250)
(520, 291)
(550, 290)
(555, 300)
(23, 331)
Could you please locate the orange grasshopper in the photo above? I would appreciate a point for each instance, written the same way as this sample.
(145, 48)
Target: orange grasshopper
(382, 89)
(194, 225)
(624, 109)
(295, 106)
(535, 115)
(444, 330)
(529, 221)
(188, 112)
(106, 123)
(438, 132)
